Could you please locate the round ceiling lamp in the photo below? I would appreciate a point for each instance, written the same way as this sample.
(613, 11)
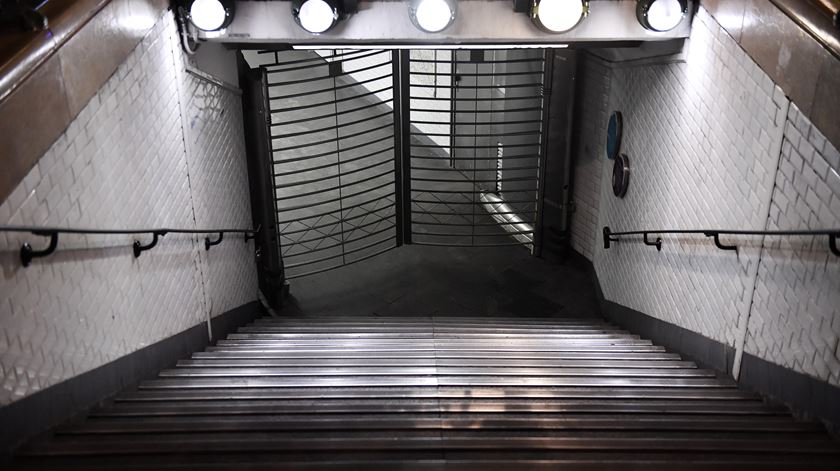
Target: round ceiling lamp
(432, 16)
(661, 15)
(558, 16)
(315, 16)
(211, 15)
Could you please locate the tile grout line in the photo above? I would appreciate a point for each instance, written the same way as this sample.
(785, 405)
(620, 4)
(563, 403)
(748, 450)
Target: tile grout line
(178, 64)
(744, 317)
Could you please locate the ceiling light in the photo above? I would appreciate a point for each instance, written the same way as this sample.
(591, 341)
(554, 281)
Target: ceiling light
(661, 15)
(315, 16)
(558, 16)
(432, 16)
(316, 47)
(211, 15)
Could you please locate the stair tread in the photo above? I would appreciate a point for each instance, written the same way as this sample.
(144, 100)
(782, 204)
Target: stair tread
(341, 392)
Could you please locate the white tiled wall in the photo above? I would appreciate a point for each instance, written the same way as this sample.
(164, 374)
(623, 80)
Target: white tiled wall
(155, 147)
(433, 89)
(373, 70)
(218, 176)
(795, 318)
(431, 92)
(713, 143)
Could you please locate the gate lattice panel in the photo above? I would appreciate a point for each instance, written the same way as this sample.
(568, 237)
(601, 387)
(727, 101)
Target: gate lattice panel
(332, 142)
(373, 147)
(476, 141)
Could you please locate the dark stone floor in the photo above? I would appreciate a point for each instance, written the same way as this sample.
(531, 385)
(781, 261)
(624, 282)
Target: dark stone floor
(421, 280)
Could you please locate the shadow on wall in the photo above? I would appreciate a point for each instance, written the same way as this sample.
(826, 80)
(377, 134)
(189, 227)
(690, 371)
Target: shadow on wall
(803, 248)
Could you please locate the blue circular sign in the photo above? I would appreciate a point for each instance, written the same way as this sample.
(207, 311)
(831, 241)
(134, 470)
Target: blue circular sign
(614, 131)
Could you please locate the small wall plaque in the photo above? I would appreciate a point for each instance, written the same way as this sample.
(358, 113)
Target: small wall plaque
(621, 175)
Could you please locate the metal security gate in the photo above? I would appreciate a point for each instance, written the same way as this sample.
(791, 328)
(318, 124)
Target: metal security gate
(332, 143)
(476, 146)
(373, 148)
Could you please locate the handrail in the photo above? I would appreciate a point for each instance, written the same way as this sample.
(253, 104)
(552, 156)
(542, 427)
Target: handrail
(27, 253)
(818, 18)
(610, 236)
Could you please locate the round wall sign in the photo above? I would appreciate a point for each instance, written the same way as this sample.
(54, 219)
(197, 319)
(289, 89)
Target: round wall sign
(621, 175)
(614, 132)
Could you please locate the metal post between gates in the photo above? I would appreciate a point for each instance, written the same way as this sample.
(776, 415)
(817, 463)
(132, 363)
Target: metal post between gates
(548, 72)
(402, 156)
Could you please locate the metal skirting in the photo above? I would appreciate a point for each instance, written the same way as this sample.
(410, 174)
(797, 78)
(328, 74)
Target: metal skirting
(435, 393)
(476, 146)
(332, 140)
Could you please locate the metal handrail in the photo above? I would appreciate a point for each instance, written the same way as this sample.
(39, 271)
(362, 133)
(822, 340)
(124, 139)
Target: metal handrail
(819, 18)
(27, 253)
(610, 236)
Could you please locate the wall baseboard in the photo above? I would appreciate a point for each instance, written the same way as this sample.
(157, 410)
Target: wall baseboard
(35, 414)
(806, 396)
(702, 350)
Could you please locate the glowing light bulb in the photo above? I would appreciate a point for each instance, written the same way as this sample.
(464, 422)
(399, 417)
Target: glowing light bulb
(316, 16)
(665, 15)
(208, 15)
(559, 16)
(433, 16)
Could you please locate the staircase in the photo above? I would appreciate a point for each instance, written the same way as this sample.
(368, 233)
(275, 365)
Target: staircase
(435, 393)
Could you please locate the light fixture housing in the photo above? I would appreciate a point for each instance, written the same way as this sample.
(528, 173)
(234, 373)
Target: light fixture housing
(661, 15)
(432, 16)
(317, 16)
(558, 16)
(211, 15)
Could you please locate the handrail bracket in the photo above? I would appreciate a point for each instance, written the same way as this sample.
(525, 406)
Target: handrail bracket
(27, 253)
(608, 238)
(208, 243)
(720, 244)
(657, 243)
(140, 248)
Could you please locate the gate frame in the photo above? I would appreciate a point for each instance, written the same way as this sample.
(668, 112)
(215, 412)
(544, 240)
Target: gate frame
(402, 143)
(271, 275)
